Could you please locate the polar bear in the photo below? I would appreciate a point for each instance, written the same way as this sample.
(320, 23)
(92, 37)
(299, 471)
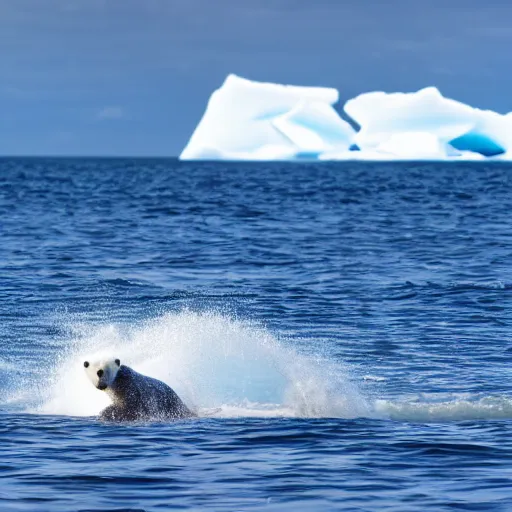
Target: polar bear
(135, 397)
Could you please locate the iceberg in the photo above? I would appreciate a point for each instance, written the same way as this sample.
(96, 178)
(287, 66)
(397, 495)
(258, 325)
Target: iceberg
(414, 145)
(463, 132)
(247, 120)
(490, 136)
(380, 115)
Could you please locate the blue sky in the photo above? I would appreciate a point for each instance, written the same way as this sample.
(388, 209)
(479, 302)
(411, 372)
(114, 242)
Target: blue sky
(132, 77)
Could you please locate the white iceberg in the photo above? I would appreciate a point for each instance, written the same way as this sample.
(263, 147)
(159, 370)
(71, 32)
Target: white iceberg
(383, 154)
(247, 120)
(398, 146)
(380, 115)
(491, 134)
(371, 154)
(414, 145)
(463, 132)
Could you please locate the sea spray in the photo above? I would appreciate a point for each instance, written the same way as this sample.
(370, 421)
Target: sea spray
(224, 367)
(219, 365)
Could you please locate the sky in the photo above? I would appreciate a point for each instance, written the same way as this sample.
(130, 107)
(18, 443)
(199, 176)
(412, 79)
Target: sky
(132, 77)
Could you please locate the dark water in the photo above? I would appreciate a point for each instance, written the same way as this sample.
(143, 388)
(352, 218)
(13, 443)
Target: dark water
(343, 330)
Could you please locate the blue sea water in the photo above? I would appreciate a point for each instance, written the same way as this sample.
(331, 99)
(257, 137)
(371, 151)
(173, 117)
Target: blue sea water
(342, 329)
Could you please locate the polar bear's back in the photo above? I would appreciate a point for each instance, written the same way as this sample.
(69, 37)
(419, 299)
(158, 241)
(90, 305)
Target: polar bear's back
(138, 397)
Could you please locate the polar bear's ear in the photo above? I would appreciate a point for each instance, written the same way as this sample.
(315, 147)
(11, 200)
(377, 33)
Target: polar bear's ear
(86, 364)
(118, 362)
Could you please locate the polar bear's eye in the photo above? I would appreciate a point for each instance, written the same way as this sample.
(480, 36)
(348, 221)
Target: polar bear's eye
(86, 364)
(100, 373)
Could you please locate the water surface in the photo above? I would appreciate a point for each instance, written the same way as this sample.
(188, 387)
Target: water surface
(343, 330)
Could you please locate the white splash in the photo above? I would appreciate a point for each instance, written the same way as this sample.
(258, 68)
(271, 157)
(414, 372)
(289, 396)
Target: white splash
(224, 368)
(220, 366)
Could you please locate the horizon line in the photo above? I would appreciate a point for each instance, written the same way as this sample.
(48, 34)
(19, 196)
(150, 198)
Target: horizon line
(170, 157)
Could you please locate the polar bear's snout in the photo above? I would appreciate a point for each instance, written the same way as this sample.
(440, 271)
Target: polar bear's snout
(102, 373)
(101, 385)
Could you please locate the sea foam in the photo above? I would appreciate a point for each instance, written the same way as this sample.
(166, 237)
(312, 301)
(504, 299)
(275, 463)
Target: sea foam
(442, 409)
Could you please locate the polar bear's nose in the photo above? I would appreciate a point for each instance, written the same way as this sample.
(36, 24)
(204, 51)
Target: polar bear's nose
(100, 373)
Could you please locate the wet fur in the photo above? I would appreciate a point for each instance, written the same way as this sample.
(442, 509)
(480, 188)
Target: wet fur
(136, 397)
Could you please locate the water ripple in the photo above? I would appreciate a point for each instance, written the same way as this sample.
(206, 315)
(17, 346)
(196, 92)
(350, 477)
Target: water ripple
(383, 290)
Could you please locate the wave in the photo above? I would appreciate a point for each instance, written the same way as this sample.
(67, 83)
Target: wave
(477, 285)
(464, 407)
(224, 368)
(220, 366)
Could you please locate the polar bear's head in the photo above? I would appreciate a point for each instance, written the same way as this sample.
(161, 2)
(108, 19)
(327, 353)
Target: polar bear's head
(102, 372)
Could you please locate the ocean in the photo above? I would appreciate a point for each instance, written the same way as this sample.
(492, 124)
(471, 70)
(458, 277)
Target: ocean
(342, 329)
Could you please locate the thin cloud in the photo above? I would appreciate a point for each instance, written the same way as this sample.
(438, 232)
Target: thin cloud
(112, 112)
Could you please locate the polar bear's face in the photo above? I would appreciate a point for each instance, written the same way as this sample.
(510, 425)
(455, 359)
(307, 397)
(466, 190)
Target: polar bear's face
(103, 372)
